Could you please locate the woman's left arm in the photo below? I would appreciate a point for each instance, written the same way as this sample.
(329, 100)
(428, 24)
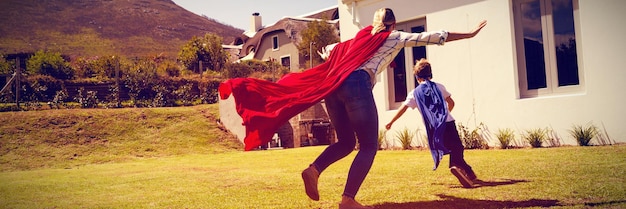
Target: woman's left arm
(454, 36)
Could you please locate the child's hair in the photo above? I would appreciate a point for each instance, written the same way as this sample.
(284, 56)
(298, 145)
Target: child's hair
(422, 69)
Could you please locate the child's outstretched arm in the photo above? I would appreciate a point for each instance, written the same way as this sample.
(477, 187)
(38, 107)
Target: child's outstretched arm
(398, 114)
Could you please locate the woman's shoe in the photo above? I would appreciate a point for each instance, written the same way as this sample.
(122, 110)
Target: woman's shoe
(350, 203)
(310, 176)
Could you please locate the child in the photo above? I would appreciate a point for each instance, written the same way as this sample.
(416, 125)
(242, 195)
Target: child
(435, 104)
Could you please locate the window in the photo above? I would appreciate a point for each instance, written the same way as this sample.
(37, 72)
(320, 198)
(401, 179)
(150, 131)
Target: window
(400, 76)
(285, 61)
(275, 43)
(547, 57)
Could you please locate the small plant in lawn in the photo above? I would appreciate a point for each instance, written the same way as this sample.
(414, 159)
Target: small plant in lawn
(472, 139)
(505, 137)
(405, 137)
(87, 99)
(603, 137)
(382, 139)
(553, 139)
(535, 137)
(422, 139)
(584, 134)
(57, 101)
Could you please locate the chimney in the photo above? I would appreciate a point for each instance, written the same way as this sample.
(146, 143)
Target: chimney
(255, 23)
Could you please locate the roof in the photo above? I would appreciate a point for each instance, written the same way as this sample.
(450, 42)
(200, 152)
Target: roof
(291, 27)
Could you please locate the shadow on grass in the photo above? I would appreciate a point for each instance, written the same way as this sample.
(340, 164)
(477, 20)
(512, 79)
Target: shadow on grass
(455, 202)
(608, 203)
(481, 183)
(492, 183)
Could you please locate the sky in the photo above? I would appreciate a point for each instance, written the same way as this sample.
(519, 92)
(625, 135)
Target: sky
(237, 13)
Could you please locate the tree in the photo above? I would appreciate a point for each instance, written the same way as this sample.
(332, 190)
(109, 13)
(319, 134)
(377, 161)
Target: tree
(207, 49)
(321, 33)
(49, 63)
(6, 66)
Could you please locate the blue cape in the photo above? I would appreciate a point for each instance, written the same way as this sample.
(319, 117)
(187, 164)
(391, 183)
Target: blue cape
(434, 112)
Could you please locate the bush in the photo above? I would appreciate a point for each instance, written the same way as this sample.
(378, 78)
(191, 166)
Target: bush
(472, 139)
(87, 99)
(100, 68)
(405, 137)
(505, 137)
(584, 134)
(237, 70)
(49, 63)
(41, 88)
(382, 139)
(535, 137)
(552, 139)
(57, 102)
(139, 80)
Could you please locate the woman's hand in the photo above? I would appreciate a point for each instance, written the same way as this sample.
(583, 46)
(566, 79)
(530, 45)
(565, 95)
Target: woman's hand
(480, 26)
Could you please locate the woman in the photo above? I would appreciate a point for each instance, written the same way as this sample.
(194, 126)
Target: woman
(345, 80)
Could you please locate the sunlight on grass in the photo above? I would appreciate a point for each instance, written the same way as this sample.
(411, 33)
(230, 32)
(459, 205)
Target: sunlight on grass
(564, 177)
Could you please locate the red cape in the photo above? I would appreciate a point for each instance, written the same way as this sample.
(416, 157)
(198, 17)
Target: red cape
(264, 106)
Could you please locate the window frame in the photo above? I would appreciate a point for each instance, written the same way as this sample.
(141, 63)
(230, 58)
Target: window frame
(548, 37)
(275, 43)
(410, 81)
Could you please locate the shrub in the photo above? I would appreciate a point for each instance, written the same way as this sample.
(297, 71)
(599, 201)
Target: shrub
(405, 137)
(603, 137)
(139, 80)
(6, 66)
(505, 137)
(113, 98)
(57, 102)
(41, 88)
(87, 99)
(552, 139)
(237, 70)
(49, 63)
(208, 90)
(183, 93)
(472, 139)
(584, 134)
(382, 139)
(535, 137)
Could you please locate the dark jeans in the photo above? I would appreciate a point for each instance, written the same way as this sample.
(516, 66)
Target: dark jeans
(352, 110)
(452, 141)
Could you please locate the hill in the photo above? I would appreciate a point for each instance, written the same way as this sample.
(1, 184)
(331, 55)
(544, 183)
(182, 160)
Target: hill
(135, 28)
(74, 137)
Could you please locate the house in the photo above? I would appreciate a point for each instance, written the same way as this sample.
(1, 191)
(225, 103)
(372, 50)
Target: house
(278, 42)
(547, 64)
(537, 64)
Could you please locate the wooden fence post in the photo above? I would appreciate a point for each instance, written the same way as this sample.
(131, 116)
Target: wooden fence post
(18, 75)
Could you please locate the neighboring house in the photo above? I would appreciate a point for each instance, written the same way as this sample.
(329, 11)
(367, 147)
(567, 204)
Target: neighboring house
(537, 64)
(277, 42)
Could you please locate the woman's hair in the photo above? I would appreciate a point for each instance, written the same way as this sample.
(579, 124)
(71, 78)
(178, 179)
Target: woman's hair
(383, 19)
(422, 69)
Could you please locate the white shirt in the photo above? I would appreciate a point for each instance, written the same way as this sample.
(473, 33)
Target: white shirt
(394, 43)
(412, 103)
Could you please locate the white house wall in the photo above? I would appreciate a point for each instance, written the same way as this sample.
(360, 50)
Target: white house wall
(481, 73)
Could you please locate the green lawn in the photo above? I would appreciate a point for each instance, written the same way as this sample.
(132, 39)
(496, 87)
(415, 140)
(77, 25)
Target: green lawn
(180, 158)
(563, 177)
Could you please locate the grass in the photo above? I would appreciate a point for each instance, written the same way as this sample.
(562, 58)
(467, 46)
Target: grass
(224, 177)
(73, 137)
(566, 177)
